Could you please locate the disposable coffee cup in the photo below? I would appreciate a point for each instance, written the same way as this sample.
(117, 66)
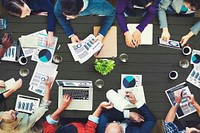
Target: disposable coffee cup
(173, 75)
(186, 50)
(23, 60)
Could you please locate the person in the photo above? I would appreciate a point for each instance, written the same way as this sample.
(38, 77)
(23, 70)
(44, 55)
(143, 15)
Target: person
(6, 43)
(51, 120)
(22, 9)
(14, 122)
(11, 90)
(169, 126)
(145, 8)
(184, 7)
(65, 10)
(114, 121)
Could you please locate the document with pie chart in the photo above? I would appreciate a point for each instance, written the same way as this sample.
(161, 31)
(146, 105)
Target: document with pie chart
(130, 80)
(195, 57)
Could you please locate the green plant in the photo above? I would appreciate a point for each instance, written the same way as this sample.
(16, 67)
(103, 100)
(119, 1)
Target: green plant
(104, 66)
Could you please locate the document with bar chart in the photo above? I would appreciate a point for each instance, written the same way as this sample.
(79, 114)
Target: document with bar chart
(194, 76)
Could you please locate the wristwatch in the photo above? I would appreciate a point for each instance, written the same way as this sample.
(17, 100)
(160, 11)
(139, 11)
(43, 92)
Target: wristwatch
(176, 104)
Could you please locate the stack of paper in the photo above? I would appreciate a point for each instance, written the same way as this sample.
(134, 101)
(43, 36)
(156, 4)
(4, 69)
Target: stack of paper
(83, 51)
(28, 41)
(41, 73)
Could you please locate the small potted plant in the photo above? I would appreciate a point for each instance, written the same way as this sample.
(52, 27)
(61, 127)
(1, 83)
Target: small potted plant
(104, 66)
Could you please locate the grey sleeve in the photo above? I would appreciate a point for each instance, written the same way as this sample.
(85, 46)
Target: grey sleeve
(195, 28)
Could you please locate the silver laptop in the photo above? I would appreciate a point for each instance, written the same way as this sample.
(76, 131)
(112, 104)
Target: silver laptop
(80, 90)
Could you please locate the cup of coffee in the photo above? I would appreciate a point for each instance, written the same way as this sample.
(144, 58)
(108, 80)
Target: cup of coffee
(57, 59)
(186, 50)
(23, 60)
(184, 63)
(24, 72)
(173, 75)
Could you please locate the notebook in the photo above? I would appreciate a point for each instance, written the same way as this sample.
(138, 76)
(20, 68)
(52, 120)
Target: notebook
(13, 53)
(80, 90)
(147, 34)
(109, 49)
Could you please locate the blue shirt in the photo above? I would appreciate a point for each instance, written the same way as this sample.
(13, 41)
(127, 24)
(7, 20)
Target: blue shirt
(172, 128)
(94, 7)
(44, 6)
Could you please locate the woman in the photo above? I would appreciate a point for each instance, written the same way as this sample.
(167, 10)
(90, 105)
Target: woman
(177, 7)
(145, 8)
(21, 8)
(13, 122)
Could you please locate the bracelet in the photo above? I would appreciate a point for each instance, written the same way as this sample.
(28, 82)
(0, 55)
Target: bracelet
(176, 104)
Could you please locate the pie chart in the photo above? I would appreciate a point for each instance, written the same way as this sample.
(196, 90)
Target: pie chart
(45, 55)
(129, 81)
(196, 58)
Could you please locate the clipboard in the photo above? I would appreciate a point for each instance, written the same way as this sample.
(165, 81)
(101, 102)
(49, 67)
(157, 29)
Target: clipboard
(109, 50)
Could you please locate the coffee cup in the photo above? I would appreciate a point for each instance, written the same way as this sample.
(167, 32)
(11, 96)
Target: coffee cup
(186, 50)
(173, 75)
(23, 60)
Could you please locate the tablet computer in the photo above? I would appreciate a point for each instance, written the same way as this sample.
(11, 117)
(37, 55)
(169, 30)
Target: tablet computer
(170, 44)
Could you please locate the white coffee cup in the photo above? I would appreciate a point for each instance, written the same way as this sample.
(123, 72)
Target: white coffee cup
(186, 50)
(23, 60)
(173, 75)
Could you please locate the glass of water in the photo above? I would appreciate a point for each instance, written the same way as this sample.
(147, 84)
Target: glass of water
(184, 63)
(123, 57)
(99, 83)
(57, 59)
(24, 72)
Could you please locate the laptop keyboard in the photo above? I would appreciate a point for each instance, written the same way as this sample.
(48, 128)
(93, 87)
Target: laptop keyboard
(77, 94)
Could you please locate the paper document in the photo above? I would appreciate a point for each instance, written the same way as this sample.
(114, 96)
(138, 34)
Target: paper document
(9, 83)
(147, 34)
(170, 44)
(195, 57)
(130, 80)
(87, 48)
(194, 76)
(28, 41)
(185, 107)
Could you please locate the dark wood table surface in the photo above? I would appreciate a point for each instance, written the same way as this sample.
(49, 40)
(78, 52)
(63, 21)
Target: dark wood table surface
(152, 62)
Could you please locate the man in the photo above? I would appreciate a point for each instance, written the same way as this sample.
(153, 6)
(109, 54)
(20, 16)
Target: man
(135, 123)
(6, 43)
(75, 127)
(170, 127)
(71, 9)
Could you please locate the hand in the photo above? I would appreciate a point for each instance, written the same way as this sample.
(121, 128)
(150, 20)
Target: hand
(135, 117)
(50, 39)
(137, 37)
(185, 38)
(165, 34)
(191, 99)
(106, 105)
(75, 39)
(17, 85)
(99, 37)
(131, 97)
(66, 100)
(178, 96)
(7, 41)
(129, 40)
(48, 82)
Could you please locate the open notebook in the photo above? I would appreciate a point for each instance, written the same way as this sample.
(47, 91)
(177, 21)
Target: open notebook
(109, 50)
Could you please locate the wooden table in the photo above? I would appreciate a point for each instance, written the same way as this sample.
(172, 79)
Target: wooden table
(153, 62)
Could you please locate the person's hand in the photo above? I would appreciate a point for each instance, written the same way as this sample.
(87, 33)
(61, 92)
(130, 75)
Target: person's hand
(99, 37)
(75, 39)
(178, 96)
(135, 117)
(7, 41)
(66, 100)
(129, 40)
(17, 85)
(50, 39)
(106, 105)
(185, 38)
(48, 82)
(131, 97)
(137, 37)
(191, 98)
(165, 34)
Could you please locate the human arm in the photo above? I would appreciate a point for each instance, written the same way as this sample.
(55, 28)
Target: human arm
(194, 30)
(192, 100)
(6, 43)
(93, 119)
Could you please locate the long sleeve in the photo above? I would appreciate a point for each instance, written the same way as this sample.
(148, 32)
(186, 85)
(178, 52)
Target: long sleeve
(150, 14)
(162, 7)
(147, 125)
(196, 28)
(109, 116)
(48, 128)
(90, 127)
(65, 24)
(121, 4)
(2, 97)
(47, 6)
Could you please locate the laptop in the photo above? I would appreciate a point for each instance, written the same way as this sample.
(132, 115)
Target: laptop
(80, 90)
